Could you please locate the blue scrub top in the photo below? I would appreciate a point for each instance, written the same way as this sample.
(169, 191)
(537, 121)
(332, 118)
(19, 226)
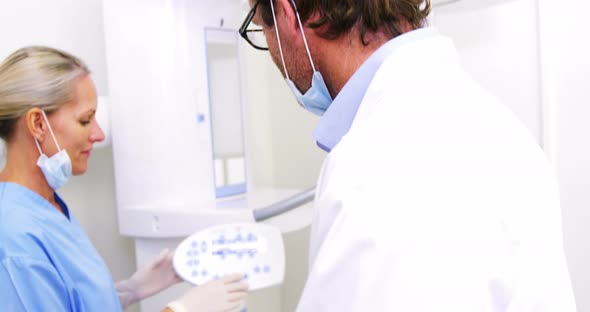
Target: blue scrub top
(47, 263)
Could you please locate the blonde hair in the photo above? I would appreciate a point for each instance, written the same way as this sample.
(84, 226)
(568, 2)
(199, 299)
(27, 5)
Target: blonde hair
(36, 76)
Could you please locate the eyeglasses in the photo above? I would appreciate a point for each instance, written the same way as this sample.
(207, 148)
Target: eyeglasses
(255, 37)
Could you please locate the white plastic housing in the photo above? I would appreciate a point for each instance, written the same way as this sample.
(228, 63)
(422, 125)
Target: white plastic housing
(161, 131)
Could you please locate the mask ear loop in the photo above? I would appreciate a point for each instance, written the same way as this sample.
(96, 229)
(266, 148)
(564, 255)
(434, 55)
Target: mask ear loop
(38, 147)
(272, 7)
(302, 34)
(50, 131)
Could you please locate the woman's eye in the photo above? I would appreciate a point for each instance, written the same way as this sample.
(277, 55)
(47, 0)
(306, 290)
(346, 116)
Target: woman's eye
(84, 122)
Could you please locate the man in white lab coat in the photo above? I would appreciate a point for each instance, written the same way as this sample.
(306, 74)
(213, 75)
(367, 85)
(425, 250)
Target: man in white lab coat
(433, 196)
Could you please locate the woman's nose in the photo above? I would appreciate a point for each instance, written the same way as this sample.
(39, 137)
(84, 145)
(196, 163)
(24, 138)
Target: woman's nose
(97, 135)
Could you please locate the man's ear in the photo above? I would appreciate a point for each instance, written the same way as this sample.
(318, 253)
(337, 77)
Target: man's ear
(287, 18)
(36, 123)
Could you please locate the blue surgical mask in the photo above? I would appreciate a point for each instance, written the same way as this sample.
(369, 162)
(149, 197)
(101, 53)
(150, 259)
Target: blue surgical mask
(317, 98)
(57, 169)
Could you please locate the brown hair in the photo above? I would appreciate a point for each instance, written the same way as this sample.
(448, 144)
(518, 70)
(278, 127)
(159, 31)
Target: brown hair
(36, 77)
(338, 17)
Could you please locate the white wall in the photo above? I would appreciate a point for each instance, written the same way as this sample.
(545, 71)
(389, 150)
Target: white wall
(500, 50)
(284, 153)
(566, 48)
(73, 26)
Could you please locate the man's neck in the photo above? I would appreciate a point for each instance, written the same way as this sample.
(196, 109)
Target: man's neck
(342, 57)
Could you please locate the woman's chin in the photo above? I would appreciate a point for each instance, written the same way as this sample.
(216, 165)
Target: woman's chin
(79, 170)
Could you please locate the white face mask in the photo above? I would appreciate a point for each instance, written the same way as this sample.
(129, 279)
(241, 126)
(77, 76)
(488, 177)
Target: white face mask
(317, 99)
(57, 169)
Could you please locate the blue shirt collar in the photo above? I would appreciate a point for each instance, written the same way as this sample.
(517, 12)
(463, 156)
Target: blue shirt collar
(337, 120)
(26, 194)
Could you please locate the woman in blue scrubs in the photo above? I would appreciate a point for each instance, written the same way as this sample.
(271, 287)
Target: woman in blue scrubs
(47, 263)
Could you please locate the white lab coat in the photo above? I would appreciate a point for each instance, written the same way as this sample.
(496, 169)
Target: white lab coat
(437, 199)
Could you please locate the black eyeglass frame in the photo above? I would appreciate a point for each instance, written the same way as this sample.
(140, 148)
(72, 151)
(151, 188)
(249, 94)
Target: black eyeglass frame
(244, 28)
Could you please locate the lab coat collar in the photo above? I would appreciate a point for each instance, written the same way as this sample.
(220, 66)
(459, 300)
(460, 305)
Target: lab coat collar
(337, 120)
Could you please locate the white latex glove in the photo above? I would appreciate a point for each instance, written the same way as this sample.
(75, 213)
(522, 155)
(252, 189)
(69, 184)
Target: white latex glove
(227, 294)
(149, 280)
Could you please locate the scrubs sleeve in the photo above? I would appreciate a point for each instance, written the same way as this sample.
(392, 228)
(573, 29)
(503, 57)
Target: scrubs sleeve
(31, 285)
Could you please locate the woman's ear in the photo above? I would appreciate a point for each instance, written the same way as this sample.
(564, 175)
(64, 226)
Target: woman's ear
(36, 123)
